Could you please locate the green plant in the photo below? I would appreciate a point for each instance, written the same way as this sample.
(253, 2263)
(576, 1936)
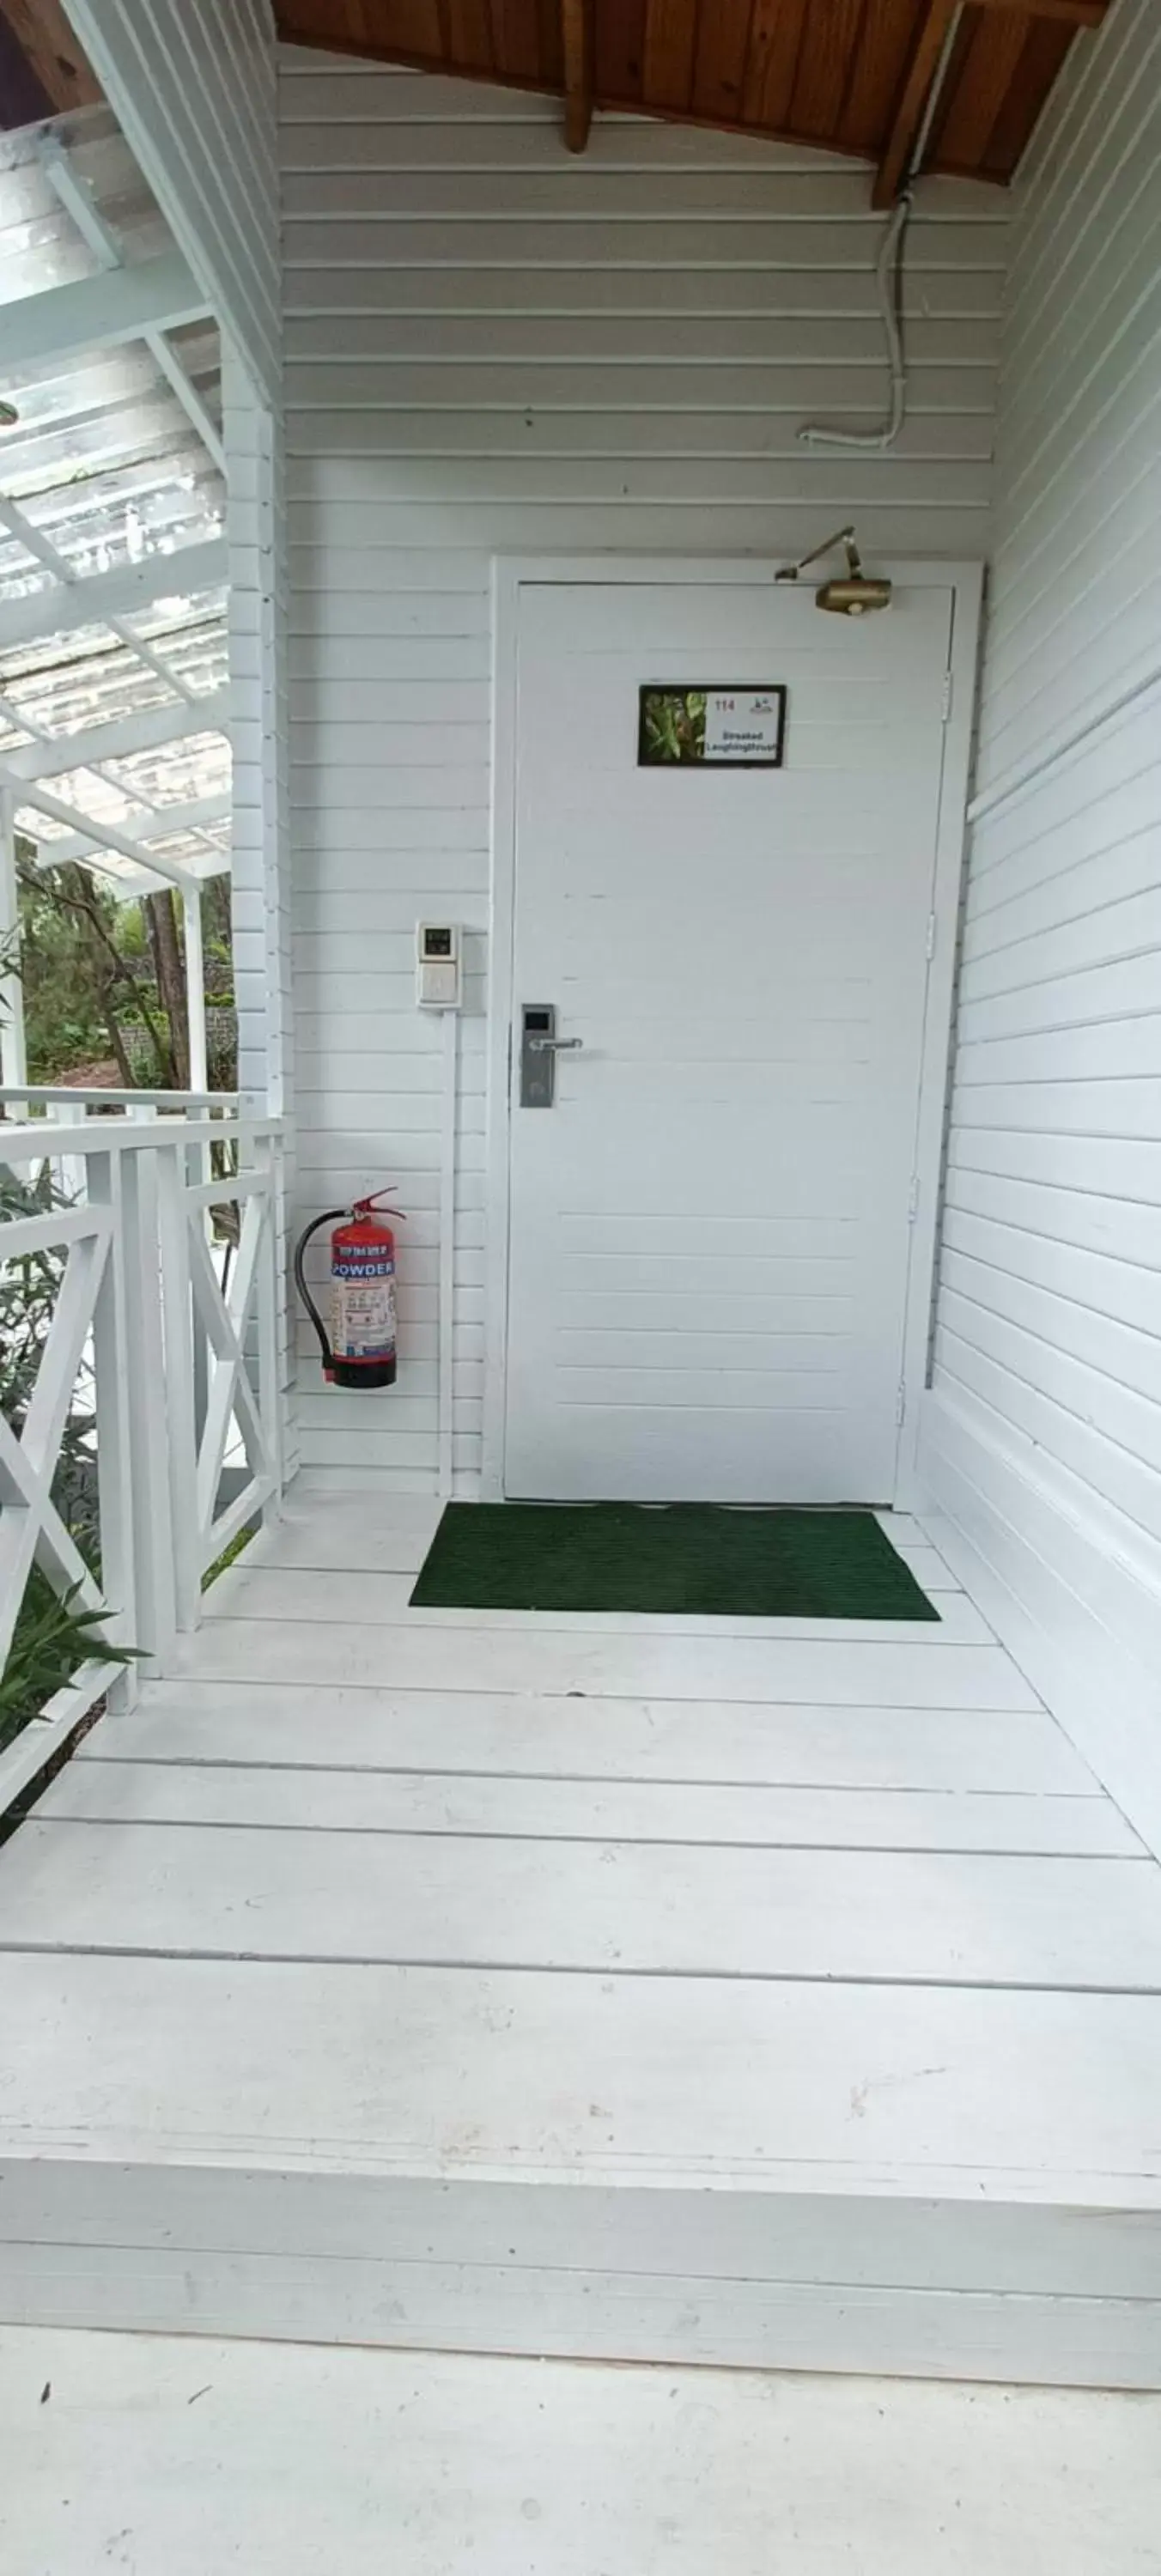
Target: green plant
(29, 1287)
(228, 1555)
(672, 725)
(54, 1636)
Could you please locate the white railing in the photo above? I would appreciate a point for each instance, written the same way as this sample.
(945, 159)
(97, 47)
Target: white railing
(53, 1101)
(169, 1299)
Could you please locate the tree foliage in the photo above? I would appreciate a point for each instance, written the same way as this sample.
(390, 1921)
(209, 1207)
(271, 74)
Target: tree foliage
(106, 980)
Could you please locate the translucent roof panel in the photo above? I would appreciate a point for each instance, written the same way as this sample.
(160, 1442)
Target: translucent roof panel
(111, 463)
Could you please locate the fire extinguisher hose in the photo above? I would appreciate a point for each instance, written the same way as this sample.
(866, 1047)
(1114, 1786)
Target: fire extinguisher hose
(327, 1218)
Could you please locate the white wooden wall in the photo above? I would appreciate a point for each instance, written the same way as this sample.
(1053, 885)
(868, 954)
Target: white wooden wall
(192, 84)
(492, 347)
(1043, 1433)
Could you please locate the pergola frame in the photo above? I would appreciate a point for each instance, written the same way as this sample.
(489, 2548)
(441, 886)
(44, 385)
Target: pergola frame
(120, 303)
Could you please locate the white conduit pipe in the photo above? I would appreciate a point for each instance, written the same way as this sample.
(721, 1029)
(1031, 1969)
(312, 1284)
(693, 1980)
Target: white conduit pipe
(889, 284)
(887, 269)
(449, 1089)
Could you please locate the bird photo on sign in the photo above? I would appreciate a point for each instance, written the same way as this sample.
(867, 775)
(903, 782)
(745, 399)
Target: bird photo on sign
(718, 727)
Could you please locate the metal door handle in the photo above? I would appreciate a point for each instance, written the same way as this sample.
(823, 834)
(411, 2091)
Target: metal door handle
(539, 1049)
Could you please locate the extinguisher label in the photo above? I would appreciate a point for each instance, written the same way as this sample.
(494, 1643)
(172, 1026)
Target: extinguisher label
(362, 1305)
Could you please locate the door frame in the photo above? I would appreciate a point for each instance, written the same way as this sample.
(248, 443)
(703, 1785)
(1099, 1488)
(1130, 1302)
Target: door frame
(511, 575)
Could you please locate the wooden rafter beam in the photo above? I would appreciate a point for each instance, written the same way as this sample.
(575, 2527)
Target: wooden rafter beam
(907, 117)
(922, 65)
(576, 28)
(51, 50)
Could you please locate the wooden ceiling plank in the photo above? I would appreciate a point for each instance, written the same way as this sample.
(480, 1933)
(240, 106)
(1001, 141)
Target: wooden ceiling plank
(576, 32)
(54, 54)
(776, 31)
(976, 97)
(830, 41)
(922, 62)
(516, 40)
(297, 24)
(1046, 44)
(468, 36)
(619, 46)
(719, 68)
(412, 24)
(791, 70)
(876, 74)
(24, 99)
(1073, 13)
(548, 14)
(667, 80)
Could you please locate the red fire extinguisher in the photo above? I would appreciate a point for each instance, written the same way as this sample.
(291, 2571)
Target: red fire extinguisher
(360, 1347)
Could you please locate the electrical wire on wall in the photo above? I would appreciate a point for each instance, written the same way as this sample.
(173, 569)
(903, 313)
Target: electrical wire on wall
(889, 283)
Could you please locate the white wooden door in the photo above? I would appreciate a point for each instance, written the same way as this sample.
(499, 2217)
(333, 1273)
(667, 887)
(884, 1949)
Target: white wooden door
(710, 1226)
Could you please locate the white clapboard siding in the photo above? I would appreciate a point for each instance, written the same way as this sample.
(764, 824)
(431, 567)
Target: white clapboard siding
(193, 86)
(491, 348)
(1042, 1438)
(1074, 616)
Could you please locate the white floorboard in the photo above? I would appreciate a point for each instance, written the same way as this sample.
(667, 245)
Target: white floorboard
(843, 1672)
(749, 1993)
(981, 2094)
(388, 1536)
(381, 1600)
(398, 1802)
(154, 2454)
(1009, 1751)
(646, 1907)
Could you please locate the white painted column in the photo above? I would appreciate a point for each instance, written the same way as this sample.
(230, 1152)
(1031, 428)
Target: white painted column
(260, 718)
(13, 1051)
(195, 987)
(447, 1250)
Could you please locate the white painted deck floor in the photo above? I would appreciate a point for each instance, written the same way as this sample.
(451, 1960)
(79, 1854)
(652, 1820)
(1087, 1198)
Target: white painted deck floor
(162, 2457)
(758, 1993)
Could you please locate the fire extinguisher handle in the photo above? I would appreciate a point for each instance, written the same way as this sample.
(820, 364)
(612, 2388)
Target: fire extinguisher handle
(327, 1218)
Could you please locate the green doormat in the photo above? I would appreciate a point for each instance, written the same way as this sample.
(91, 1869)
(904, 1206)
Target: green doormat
(667, 1557)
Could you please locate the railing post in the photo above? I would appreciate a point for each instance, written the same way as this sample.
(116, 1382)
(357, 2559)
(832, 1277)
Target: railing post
(155, 1603)
(68, 1171)
(180, 1396)
(13, 1053)
(267, 1156)
(121, 1576)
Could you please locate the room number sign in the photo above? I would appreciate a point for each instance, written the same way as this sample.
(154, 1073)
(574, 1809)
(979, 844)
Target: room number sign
(711, 728)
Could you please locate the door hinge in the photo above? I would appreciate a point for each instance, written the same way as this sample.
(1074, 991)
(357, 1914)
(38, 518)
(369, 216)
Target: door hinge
(929, 943)
(913, 1199)
(901, 1403)
(948, 693)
